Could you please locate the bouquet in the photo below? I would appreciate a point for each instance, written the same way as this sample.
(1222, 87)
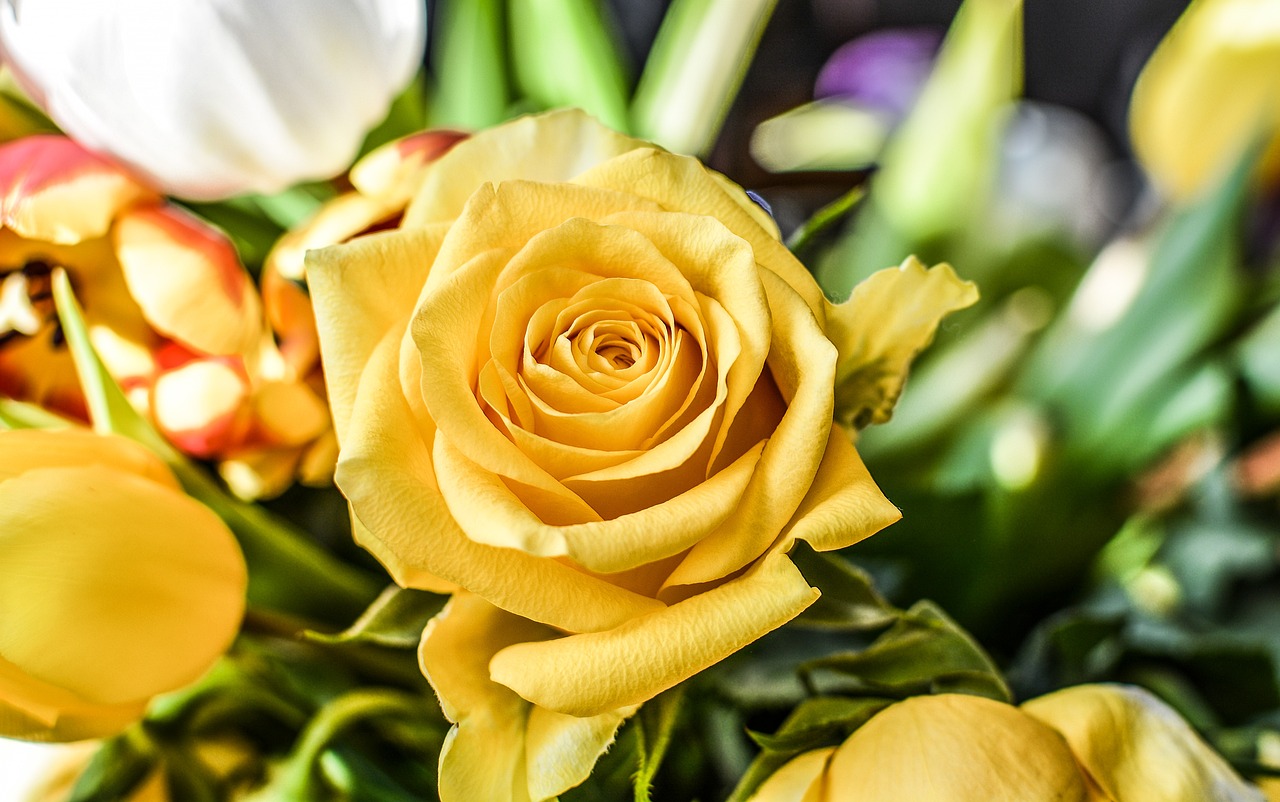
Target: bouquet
(463, 418)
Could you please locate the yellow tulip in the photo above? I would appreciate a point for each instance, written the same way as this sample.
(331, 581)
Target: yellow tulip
(585, 386)
(1210, 87)
(1091, 743)
(116, 586)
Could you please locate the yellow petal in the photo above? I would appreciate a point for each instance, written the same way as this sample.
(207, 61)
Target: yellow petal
(188, 281)
(1186, 129)
(385, 471)
(843, 505)
(502, 747)
(952, 747)
(683, 184)
(802, 779)
(289, 413)
(802, 365)
(26, 449)
(122, 566)
(362, 290)
(890, 318)
(589, 674)
(555, 146)
(1137, 748)
(54, 190)
(393, 171)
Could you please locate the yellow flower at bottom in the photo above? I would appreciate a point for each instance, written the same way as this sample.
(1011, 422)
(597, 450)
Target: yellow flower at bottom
(116, 586)
(1091, 743)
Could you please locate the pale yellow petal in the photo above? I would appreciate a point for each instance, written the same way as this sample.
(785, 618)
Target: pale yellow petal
(555, 146)
(802, 779)
(589, 674)
(1137, 748)
(890, 318)
(502, 747)
(362, 290)
(22, 450)
(952, 747)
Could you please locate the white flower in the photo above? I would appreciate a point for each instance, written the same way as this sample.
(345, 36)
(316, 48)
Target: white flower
(210, 98)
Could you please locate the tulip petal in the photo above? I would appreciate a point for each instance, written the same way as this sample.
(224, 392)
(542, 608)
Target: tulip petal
(187, 592)
(554, 147)
(953, 747)
(502, 747)
(1137, 748)
(359, 293)
(391, 173)
(38, 711)
(188, 280)
(53, 190)
(385, 472)
(801, 779)
(1186, 130)
(643, 657)
(890, 318)
(27, 449)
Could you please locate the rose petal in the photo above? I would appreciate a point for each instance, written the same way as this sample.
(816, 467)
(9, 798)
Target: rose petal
(555, 146)
(640, 658)
(359, 290)
(188, 280)
(1136, 747)
(502, 747)
(385, 471)
(890, 318)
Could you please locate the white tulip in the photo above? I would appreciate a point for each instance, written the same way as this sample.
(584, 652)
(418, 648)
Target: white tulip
(210, 98)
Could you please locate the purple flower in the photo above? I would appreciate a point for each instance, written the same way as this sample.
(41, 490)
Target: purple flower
(883, 70)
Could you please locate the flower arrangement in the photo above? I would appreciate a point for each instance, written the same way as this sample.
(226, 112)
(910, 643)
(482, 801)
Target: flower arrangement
(394, 417)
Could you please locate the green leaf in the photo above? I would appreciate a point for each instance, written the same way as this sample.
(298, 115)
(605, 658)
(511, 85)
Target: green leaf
(395, 619)
(694, 69)
(924, 652)
(849, 599)
(1102, 375)
(21, 415)
(287, 571)
(564, 54)
(938, 168)
(655, 723)
(116, 769)
(470, 65)
(822, 135)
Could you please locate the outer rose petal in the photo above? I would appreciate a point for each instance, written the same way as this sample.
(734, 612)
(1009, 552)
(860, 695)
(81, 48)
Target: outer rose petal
(953, 747)
(359, 290)
(889, 319)
(1137, 748)
(502, 747)
(54, 190)
(555, 146)
(636, 661)
(188, 280)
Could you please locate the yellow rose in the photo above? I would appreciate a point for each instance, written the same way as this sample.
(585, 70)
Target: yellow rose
(116, 585)
(1211, 85)
(1090, 743)
(584, 387)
